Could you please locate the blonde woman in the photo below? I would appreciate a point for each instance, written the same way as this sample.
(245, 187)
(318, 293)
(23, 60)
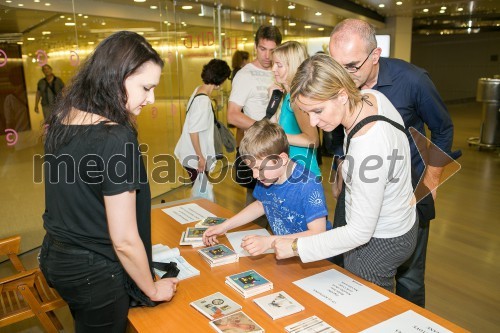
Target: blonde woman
(303, 137)
(380, 215)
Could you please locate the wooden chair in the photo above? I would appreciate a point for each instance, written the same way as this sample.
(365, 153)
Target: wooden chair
(26, 294)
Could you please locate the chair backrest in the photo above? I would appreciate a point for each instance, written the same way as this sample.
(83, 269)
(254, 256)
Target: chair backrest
(26, 294)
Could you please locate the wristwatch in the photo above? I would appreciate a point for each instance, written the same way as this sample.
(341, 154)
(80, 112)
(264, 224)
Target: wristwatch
(295, 249)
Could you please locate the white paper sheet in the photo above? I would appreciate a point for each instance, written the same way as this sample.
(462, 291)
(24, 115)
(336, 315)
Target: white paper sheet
(407, 322)
(341, 292)
(187, 213)
(235, 238)
(162, 253)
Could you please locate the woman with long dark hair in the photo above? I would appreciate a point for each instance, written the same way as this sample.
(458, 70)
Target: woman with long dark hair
(97, 214)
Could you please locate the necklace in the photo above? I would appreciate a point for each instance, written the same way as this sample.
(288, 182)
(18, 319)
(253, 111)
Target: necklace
(362, 104)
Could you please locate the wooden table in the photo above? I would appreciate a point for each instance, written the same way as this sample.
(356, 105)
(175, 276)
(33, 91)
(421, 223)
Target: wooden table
(178, 316)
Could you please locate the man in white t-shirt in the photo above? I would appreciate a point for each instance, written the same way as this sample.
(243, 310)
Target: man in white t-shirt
(250, 94)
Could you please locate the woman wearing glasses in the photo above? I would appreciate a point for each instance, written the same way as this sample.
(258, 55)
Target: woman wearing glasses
(381, 220)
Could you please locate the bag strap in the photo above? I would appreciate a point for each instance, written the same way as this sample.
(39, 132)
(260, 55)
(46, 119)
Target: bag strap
(368, 120)
(201, 94)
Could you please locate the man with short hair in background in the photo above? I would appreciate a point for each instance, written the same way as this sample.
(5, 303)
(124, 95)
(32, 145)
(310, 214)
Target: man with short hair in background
(250, 94)
(47, 89)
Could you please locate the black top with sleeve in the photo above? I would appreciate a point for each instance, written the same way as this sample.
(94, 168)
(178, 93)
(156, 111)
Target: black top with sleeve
(99, 160)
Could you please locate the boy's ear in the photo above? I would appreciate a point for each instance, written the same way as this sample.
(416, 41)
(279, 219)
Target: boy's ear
(284, 157)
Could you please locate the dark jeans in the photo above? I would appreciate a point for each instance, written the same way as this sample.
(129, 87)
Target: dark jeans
(410, 283)
(92, 285)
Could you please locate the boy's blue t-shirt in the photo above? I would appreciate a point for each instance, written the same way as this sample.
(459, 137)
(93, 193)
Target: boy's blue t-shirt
(290, 206)
(302, 155)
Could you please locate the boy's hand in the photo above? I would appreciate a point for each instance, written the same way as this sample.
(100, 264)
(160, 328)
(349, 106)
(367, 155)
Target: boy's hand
(283, 248)
(255, 244)
(210, 235)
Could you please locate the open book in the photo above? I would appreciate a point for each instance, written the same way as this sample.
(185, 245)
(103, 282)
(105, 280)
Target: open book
(162, 253)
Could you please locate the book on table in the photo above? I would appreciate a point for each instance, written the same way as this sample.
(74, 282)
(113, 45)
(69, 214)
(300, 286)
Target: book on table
(310, 325)
(216, 305)
(193, 243)
(210, 221)
(236, 322)
(162, 253)
(218, 255)
(194, 234)
(249, 283)
(278, 305)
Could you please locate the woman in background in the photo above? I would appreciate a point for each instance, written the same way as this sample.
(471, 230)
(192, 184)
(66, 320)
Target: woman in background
(97, 216)
(196, 145)
(303, 137)
(240, 59)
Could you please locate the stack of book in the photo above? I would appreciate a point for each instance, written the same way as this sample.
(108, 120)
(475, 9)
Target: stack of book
(210, 221)
(278, 305)
(193, 236)
(218, 255)
(249, 283)
(236, 322)
(215, 306)
(310, 325)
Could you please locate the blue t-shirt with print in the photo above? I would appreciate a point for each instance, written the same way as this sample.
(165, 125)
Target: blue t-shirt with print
(290, 206)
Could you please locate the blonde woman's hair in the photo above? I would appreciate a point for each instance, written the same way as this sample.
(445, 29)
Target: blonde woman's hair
(321, 78)
(292, 54)
(264, 139)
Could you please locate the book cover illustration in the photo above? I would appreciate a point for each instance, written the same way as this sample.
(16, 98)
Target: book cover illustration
(217, 252)
(216, 305)
(236, 322)
(310, 325)
(210, 221)
(248, 280)
(194, 234)
(278, 305)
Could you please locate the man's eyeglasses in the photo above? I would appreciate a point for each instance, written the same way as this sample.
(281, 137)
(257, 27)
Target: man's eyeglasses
(354, 69)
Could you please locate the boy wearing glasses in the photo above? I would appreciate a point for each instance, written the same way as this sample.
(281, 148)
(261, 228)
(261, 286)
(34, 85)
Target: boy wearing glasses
(286, 192)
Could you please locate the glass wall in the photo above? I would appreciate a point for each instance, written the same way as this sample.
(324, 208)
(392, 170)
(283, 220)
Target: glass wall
(63, 33)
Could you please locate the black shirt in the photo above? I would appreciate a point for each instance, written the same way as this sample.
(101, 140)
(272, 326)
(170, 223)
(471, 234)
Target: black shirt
(98, 160)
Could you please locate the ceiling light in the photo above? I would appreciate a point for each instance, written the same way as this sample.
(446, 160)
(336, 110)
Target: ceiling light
(80, 15)
(460, 9)
(317, 13)
(31, 38)
(8, 1)
(441, 11)
(103, 23)
(291, 6)
(381, 5)
(222, 33)
(46, 32)
(425, 10)
(321, 29)
(153, 7)
(70, 24)
(443, 8)
(85, 16)
(62, 16)
(19, 43)
(37, 0)
(84, 24)
(20, 4)
(292, 24)
(69, 18)
(139, 0)
(399, 3)
(187, 7)
(90, 43)
(47, 4)
(307, 27)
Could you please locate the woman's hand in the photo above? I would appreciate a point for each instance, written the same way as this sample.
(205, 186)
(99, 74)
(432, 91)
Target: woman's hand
(201, 164)
(165, 289)
(255, 244)
(210, 235)
(283, 248)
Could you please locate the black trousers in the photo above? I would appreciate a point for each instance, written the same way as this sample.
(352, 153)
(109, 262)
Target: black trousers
(92, 285)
